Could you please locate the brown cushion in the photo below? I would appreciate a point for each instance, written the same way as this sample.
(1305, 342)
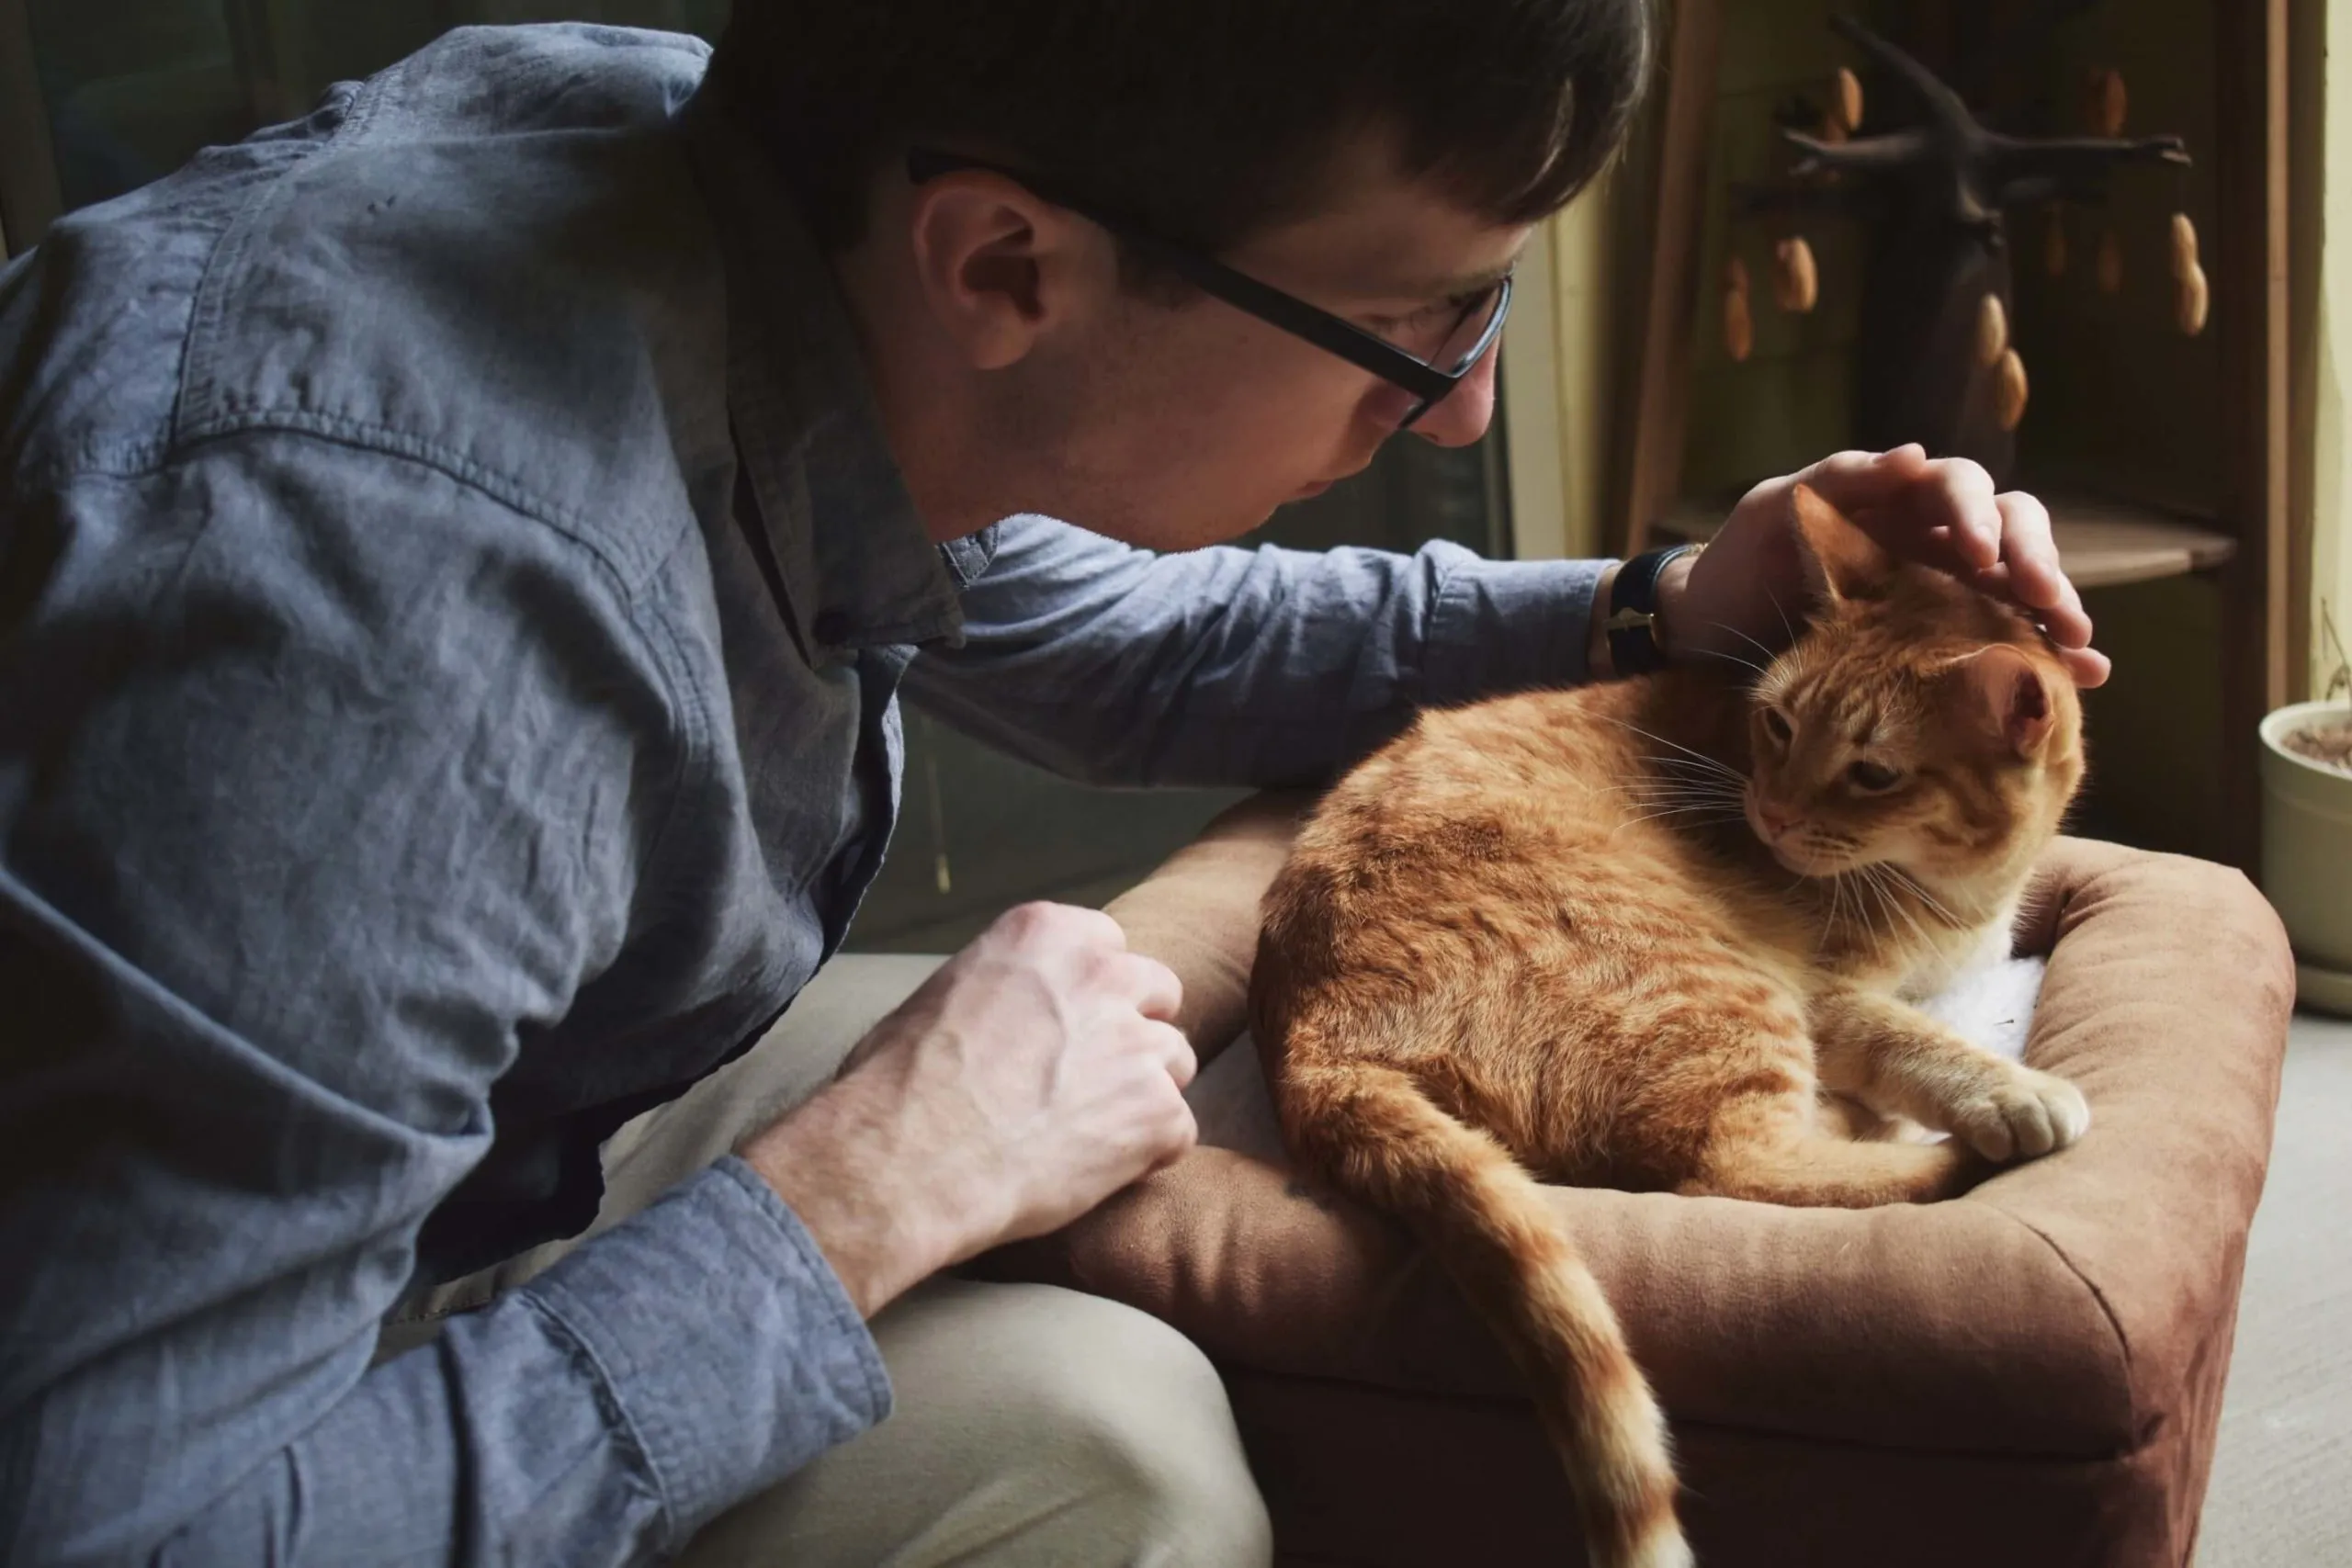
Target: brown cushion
(2074, 1307)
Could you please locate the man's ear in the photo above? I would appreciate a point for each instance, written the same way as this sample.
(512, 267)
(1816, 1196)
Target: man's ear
(1842, 562)
(991, 259)
(2009, 697)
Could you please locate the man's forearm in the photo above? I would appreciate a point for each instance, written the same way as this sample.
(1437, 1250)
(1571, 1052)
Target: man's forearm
(1231, 667)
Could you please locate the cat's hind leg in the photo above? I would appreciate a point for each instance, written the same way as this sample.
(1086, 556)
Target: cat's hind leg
(1777, 1151)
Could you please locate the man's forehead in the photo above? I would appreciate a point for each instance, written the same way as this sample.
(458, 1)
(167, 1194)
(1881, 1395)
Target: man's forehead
(1408, 242)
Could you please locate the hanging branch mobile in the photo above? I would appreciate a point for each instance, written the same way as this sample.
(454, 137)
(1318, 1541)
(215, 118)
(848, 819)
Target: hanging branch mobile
(1936, 362)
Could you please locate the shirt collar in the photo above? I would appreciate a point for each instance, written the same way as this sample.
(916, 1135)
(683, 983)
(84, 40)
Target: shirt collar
(858, 568)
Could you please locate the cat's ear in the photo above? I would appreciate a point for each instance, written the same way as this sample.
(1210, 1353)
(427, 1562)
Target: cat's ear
(1843, 561)
(2011, 696)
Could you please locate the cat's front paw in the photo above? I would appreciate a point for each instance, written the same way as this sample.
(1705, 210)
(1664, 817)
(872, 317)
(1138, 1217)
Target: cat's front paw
(2022, 1115)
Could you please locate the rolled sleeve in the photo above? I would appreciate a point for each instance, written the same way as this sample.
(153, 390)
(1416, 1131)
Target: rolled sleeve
(770, 1367)
(1500, 626)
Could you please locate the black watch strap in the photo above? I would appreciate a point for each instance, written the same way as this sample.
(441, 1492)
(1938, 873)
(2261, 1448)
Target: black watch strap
(1634, 645)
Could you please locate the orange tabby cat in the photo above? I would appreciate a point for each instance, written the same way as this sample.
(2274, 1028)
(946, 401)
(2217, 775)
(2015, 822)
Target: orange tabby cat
(1650, 935)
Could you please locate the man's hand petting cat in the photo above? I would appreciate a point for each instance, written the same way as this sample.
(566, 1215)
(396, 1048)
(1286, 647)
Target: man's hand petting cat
(1750, 587)
(1037, 1073)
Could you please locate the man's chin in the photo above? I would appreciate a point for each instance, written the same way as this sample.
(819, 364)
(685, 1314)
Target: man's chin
(1175, 535)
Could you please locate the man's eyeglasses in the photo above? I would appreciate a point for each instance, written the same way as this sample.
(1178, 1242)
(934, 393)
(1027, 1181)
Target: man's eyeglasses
(1415, 384)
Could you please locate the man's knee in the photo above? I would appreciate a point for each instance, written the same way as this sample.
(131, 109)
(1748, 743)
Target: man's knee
(1033, 1427)
(1117, 1420)
(1137, 1410)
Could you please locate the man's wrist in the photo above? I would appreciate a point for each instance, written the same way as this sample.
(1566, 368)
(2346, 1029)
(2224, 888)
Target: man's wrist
(833, 1162)
(1631, 632)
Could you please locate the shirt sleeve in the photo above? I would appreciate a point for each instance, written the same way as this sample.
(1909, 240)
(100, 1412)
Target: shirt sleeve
(325, 782)
(1226, 666)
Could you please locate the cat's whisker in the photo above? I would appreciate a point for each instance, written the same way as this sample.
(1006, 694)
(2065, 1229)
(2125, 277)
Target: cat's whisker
(1730, 659)
(1746, 638)
(1725, 806)
(1932, 902)
(1715, 815)
(1692, 792)
(1861, 916)
(1692, 780)
(1695, 762)
(1877, 908)
(1723, 768)
(1896, 874)
(1889, 903)
(1829, 921)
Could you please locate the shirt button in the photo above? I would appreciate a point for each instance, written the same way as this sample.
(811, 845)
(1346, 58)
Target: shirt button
(832, 627)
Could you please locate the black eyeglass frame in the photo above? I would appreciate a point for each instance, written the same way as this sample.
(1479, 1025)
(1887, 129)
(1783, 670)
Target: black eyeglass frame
(1333, 334)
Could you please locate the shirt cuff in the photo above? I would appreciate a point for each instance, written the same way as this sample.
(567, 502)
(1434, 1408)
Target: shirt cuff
(1500, 626)
(725, 1340)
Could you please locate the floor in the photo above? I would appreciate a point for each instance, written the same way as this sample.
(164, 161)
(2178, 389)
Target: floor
(2281, 1492)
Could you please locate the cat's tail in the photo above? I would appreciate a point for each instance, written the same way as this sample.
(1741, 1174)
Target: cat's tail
(1376, 1133)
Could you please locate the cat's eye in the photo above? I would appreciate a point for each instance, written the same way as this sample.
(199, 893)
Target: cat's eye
(1776, 724)
(1872, 778)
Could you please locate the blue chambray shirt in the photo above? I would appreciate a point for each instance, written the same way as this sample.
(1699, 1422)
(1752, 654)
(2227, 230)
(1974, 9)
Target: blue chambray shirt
(454, 602)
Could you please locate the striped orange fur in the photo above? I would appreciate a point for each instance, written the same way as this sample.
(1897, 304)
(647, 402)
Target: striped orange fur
(1664, 934)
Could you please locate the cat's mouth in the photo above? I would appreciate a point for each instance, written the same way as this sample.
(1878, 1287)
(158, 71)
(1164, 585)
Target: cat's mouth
(1795, 856)
(1792, 844)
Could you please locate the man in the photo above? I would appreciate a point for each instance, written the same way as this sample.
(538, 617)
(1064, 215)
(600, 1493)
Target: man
(462, 555)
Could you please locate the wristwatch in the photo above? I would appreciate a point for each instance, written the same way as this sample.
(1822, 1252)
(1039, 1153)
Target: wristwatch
(1634, 647)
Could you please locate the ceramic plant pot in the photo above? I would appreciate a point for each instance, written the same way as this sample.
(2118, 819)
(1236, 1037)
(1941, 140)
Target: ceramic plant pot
(2307, 857)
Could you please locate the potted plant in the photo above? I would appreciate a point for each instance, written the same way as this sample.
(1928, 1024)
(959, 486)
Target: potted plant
(2307, 833)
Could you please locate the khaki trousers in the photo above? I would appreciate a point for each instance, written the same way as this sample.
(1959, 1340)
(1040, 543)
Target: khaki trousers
(1033, 1425)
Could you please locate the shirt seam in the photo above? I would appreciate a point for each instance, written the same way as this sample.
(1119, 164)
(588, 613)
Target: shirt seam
(207, 301)
(392, 442)
(689, 717)
(614, 1409)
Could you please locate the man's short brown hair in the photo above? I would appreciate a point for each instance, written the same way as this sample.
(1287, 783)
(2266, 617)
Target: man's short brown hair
(1206, 119)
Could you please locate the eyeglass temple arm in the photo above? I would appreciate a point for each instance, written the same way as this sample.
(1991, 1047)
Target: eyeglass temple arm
(1325, 331)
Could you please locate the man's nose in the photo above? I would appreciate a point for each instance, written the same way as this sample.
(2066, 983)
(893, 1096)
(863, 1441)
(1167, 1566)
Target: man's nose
(1462, 417)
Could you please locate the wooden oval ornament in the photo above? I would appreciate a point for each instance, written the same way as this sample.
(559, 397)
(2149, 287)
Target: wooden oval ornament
(2106, 103)
(2196, 301)
(1992, 331)
(2184, 246)
(1796, 279)
(2010, 390)
(1846, 100)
